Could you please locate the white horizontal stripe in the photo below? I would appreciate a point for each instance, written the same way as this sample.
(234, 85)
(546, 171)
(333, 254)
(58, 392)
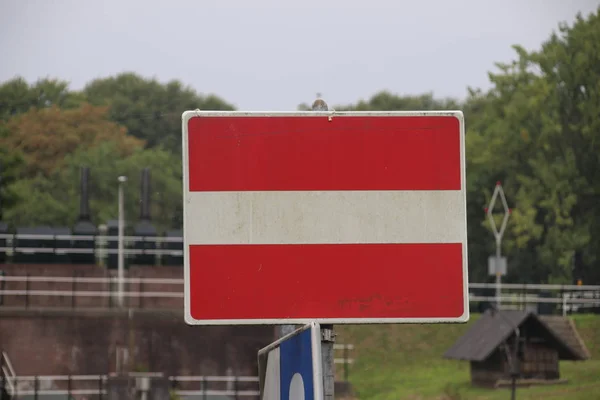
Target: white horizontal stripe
(325, 217)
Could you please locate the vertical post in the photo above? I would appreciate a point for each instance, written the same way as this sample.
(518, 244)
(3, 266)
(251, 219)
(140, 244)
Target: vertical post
(498, 277)
(26, 290)
(2, 286)
(69, 387)
(141, 297)
(327, 334)
(100, 387)
(203, 387)
(36, 387)
(174, 385)
(122, 179)
(498, 233)
(515, 367)
(131, 340)
(73, 288)
(346, 362)
(327, 361)
(235, 388)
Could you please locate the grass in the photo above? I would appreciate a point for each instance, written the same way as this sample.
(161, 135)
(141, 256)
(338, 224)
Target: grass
(405, 362)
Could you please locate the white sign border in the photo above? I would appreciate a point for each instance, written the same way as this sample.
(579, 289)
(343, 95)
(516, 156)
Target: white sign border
(188, 115)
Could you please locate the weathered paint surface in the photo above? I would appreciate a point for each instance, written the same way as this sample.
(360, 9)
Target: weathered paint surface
(349, 218)
(276, 217)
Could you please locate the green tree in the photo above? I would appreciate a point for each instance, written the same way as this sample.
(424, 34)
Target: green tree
(17, 96)
(149, 109)
(387, 101)
(46, 136)
(54, 200)
(537, 130)
(10, 164)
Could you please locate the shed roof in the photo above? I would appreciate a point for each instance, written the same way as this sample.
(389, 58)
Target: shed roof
(494, 327)
(566, 330)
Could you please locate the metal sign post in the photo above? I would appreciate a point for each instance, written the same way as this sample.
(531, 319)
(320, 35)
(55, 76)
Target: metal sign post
(120, 256)
(327, 334)
(497, 264)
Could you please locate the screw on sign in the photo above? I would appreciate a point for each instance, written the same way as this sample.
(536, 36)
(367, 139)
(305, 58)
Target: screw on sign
(497, 263)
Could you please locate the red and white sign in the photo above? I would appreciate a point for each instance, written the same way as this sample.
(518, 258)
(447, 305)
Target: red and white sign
(346, 217)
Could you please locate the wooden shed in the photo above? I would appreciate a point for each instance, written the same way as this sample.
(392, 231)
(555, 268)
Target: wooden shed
(543, 341)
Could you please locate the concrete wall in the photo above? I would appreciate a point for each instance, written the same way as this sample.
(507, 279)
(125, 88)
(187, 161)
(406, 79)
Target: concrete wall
(41, 341)
(90, 271)
(87, 344)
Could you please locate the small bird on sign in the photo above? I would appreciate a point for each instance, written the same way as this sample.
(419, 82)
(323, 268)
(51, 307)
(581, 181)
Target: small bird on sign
(320, 105)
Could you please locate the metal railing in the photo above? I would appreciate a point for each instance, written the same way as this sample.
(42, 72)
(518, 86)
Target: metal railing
(87, 238)
(90, 249)
(8, 374)
(89, 292)
(534, 286)
(96, 385)
(345, 360)
(80, 292)
(232, 382)
(180, 281)
(568, 298)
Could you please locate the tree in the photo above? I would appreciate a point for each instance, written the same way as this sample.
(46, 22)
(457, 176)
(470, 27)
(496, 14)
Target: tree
(386, 101)
(538, 131)
(54, 200)
(166, 182)
(46, 136)
(17, 96)
(10, 164)
(151, 111)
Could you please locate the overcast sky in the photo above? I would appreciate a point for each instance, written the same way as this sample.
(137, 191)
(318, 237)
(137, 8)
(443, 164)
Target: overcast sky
(275, 54)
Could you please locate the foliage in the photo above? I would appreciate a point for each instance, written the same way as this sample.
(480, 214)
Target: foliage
(386, 101)
(10, 164)
(46, 136)
(538, 131)
(17, 96)
(54, 200)
(151, 111)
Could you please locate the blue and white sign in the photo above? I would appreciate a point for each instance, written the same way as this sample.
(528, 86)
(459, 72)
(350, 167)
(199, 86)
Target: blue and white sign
(290, 368)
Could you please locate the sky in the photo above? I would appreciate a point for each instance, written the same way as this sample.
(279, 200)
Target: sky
(272, 55)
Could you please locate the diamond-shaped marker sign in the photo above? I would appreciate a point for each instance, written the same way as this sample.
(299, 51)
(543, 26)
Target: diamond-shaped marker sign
(498, 190)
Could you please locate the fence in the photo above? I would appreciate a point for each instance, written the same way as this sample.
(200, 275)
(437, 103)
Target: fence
(567, 298)
(90, 249)
(101, 292)
(345, 360)
(96, 386)
(89, 292)
(8, 375)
